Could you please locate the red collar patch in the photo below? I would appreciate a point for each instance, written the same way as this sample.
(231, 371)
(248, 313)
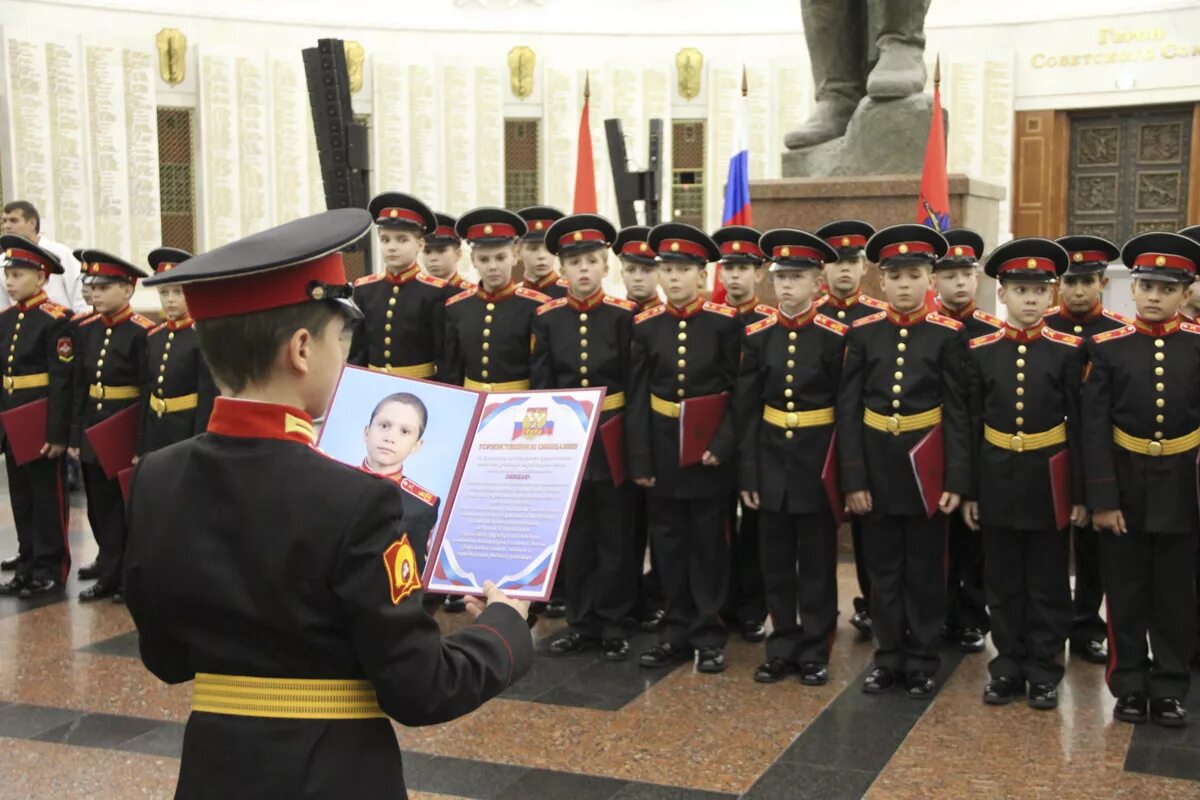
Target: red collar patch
(249, 419)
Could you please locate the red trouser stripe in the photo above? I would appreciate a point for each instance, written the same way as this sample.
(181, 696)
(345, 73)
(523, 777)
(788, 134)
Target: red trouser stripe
(1112, 643)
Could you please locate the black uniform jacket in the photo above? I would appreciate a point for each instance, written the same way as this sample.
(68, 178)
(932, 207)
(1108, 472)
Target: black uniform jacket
(173, 352)
(35, 341)
(489, 336)
(110, 352)
(977, 321)
(1098, 320)
(403, 320)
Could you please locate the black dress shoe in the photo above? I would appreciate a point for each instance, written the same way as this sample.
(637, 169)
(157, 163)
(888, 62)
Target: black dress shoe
(37, 588)
(615, 649)
(1131, 708)
(556, 609)
(96, 592)
(862, 623)
(14, 585)
(753, 631)
(880, 680)
(89, 572)
(711, 660)
(649, 622)
(813, 673)
(1043, 696)
(662, 655)
(569, 642)
(9, 564)
(971, 640)
(1168, 712)
(920, 685)
(1001, 691)
(1094, 651)
(773, 670)
(454, 604)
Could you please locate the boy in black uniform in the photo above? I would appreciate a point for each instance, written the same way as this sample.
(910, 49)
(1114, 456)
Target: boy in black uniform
(403, 323)
(278, 579)
(846, 303)
(443, 251)
(38, 350)
(537, 261)
(177, 408)
(110, 375)
(956, 280)
(1081, 313)
(1141, 411)
(685, 348)
(1026, 378)
(904, 376)
(787, 388)
(582, 340)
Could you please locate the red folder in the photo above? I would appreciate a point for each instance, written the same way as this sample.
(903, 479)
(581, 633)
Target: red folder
(928, 460)
(1060, 488)
(125, 478)
(612, 435)
(829, 477)
(115, 439)
(26, 429)
(699, 418)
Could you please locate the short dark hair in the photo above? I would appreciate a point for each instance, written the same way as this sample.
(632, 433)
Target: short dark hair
(28, 211)
(241, 350)
(405, 399)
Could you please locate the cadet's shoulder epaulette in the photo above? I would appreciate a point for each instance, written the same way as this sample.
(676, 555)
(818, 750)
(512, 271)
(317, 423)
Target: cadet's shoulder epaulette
(88, 320)
(984, 316)
(1050, 312)
(142, 322)
(553, 304)
(421, 493)
(463, 295)
(620, 302)
(720, 308)
(831, 324)
(1190, 327)
(532, 294)
(1115, 333)
(649, 313)
(562, 282)
(822, 300)
(761, 325)
(867, 300)
(869, 319)
(763, 308)
(986, 339)
(1062, 338)
(429, 280)
(157, 328)
(365, 279)
(54, 310)
(1117, 317)
(945, 322)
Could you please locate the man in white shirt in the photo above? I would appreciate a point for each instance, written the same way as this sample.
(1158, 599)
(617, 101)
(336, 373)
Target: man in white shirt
(21, 218)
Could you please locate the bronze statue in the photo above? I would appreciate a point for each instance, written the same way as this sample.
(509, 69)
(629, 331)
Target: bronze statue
(859, 48)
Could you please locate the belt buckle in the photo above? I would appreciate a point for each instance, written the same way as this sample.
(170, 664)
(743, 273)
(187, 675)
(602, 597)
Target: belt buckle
(893, 424)
(1017, 443)
(792, 419)
(487, 387)
(1154, 448)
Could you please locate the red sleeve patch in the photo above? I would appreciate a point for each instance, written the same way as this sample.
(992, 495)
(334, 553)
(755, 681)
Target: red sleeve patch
(65, 349)
(401, 563)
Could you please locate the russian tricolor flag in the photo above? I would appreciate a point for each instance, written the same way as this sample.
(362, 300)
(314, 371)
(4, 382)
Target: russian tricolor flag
(737, 184)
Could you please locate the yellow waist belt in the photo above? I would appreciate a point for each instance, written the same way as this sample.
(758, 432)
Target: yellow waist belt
(613, 401)
(797, 419)
(411, 371)
(503, 386)
(664, 407)
(1156, 447)
(1020, 442)
(14, 383)
(98, 391)
(897, 424)
(288, 698)
(170, 405)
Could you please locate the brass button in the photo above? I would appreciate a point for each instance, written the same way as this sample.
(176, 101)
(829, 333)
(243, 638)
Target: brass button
(682, 336)
(791, 348)
(484, 373)
(895, 404)
(584, 382)
(99, 406)
(389, 314)
(166, 349)
(395, 289)
(170, 336)
(682, 363)
(1158, 434)
(1159, 343)
(787, 392)
(788, 434)
(387, 340)
(583, 356)
(681, 349)
(681, 377)
(583, 342)
(791, 336)
(791, 364)
(583, 317)
(789, 379)
(103, 351)
(387, 353)
(1020, 406)
(1154, 449)
(1022, 349)
(1020, 362)
(1020, 376)
(1159, 356)
(1020, 391)
(792, 419)
(1159, 419)
(898, 375)
(896, 389)
(20, 315)
(487, 319)
(902, 347)
(841, 315)
(163, 368)
(904, 332)
(484, 360)
(98, 373)
(388, 327)
(1078, 329)
(583, 369)
(391, 301)
(487, 332)
(1159, 371)
(108, 332)
(487, 345)
(899, 361)
(161, 378)
(1158, 387)
(490, 307)
(100, 363)
(583, 330)
(682, 324)
(679, 392)
(1160, 402)
(791, 406)
(1020, 421)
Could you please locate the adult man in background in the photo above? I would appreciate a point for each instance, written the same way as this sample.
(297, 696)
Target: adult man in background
(22, 219)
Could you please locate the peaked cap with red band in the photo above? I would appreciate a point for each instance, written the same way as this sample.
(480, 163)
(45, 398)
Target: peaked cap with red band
(538, 220)
(632, 243)
(964, 248)
(399, 210)
(847, 236)
(99, 267)
(444, 234)
(1089, 255)
(906, 245)
(791, 248)
(678, 241)
(164, 259)
(579, 233)
(1162, 257)
(1030, 260)
(739, 245)
(490, 226)
(20, 252)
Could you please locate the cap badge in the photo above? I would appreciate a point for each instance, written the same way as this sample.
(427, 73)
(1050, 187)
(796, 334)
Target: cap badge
(845, 241)
(644, 247)
(958, 251)
(903, 249)
(674, 247)
(317, 293)
(1161, 261)
(394, 213)
(578, 234)
(1078, 257)
(785, 251)
(1031, 263)
(737, 247)
(539, 225)
(487, 229)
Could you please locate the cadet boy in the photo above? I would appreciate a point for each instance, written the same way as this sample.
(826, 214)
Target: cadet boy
(536, 261)
(280, 580)
(442, 254)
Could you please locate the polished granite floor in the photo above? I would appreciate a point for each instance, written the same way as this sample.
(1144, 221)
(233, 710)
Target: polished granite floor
(80, 718)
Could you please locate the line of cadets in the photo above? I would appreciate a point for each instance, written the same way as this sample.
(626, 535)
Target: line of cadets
(752, 528)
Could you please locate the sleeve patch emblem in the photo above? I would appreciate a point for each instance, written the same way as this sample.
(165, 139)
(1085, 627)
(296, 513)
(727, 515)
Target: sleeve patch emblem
(401, 564)
(65, 349)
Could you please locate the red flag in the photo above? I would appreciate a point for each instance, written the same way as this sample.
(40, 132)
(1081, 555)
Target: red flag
(585, 167)
(933, 204)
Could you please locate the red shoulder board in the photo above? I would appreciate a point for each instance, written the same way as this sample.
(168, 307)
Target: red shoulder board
(562, 282)
(763, 308)
(990, 338)
(158, 328)
(984, 316)
(867, 300)
(1115, 333)
(463, 295)
(89, 320)
(945, 322)
(365, 279)
(858, 323)
(650, 313)
(620, 302)
(1062, 338)
(822, 300)
(54, 310)
(421, 493)
(553, 304)
(1190, 327)
(530, 294)
(831, 324)
(1115, 317)
(761, 325)
(429, 280)
(1050, 312)
(723, 310)
(142, 322)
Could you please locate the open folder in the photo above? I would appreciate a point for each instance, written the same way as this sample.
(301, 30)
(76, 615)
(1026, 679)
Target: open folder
(25, 427)
(115, 440)
(929, 468)
(699, 419)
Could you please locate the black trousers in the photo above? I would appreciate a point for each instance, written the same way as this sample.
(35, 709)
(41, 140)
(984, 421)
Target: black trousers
(1089, 591)
(689, 537)
(648, 594)
(1150, 579)
(799, 568)
(906, 557)
(106, 513)
(863, 601)
(599, 585)
(1029, 593)
(38, 492)
(966, 606)
(746, 601)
